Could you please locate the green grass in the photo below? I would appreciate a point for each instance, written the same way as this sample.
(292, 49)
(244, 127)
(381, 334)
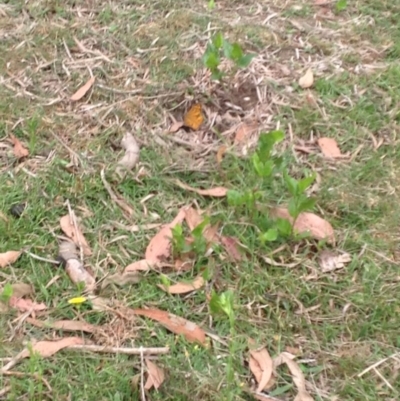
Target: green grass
(349, 319)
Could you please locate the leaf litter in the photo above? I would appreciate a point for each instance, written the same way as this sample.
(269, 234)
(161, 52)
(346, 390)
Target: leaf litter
(217, 192)
(9, 257)
(72, 230)
(329, 148)
(19, 150)
(131, 157)
(307, 80)
(330, 261)
(184, 287)
(155, 377)
(81, 92)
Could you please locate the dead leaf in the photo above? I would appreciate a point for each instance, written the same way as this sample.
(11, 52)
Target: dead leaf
(25, 305)
(81, 92)
(261, 365)
(297, 376)
(131, 157)
(210, 233)
(20, 290)
(317, 227)
(184, 288)
(65, 325)
(49, 348)
(156, 375)
(74, 267)
(307, 80)
(140, 265)
(192, 218)
(231, 246)
(178, 325)
(8, 258)
(220, 153)
(218, 192)
(76, 235)
(19, 150)
(176, 126)
(128, 277)
(329, 147)
(159, 248)
(329, 261)
(243, 132)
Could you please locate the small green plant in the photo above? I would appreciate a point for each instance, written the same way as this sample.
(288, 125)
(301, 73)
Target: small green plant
(341, 5)
(224, 304)
(6, 293)
(218, 48)
(266, 166)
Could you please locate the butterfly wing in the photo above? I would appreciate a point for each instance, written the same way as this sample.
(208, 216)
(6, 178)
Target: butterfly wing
(194, 117)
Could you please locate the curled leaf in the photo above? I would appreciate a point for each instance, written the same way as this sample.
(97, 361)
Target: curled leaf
(141, 265)
(81, 92)
(128, 277)
(131, 157)
(307, 80)
(261, 365)
(74, 267)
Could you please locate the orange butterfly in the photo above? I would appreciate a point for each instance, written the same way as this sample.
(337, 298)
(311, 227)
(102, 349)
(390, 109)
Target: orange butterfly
(194, 117)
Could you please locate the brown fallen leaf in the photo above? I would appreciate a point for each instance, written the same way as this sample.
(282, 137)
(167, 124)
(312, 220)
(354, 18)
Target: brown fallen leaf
(232, 248)
(20, 290)
(8, 258)
(261, 365)
(329, 147)
(131, 157)
(178, 325)
(220, 153)
(25, 305)
(155, 377)
(121, 279)
(184, 288)
(19, 150)
(176, 126)
(75, 234)
(192, 218)
(44, 349)
(65, 325)
(330, 261)
(307, 80)
(218, 192)
(317, 227)
(297, 376)
(159, 248)
(74, 267)
(81, 92)
(140, 265)
(243, 132)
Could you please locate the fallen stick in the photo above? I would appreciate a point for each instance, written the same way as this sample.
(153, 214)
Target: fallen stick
(120, 350)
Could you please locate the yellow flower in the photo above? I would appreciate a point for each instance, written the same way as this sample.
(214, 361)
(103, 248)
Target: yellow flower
(77, 300)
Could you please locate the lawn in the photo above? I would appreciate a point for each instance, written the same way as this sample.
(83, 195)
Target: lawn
(146, 57)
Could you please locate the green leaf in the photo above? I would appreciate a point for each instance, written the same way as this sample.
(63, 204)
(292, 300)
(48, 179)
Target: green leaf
(211, 59)
(222, 303)
(235, 198)
(270, 235)
(284, 227)
(211, 5)
(245, 60)
(7, 292)
(236, 52)
(341, 5)
(304, 204)
(293, 208)
(227, 48)
(291, 183)
(218, 40)
(216, 74)
(267, 141)
(198, 230)
(304, 183)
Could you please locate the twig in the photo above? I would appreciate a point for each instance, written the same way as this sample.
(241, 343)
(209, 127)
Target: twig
(376, 364)
(120, 350)
(143, 394)
(114, 197)
(32, 255)
(5, 390)
(66, 147)
(75, 224)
